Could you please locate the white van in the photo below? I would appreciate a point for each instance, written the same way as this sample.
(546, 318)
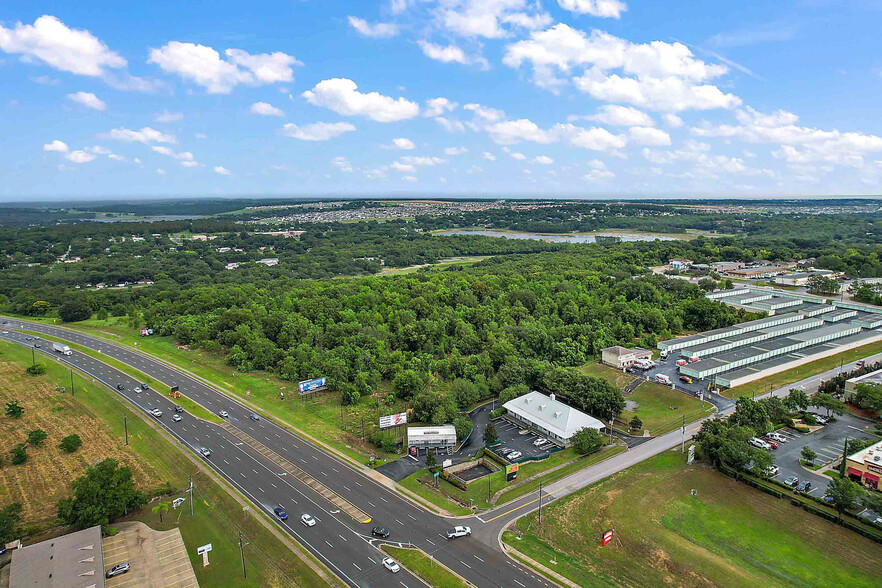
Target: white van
(644, 364)
(662, 379)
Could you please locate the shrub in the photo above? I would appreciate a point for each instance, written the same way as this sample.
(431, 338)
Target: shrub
(19, 454)
(497, 413)
(71, 443)
(36, 437)
(586, 441)
(37, 369)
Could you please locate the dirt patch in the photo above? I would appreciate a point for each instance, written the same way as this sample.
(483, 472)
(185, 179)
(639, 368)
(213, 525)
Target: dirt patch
(45, 478)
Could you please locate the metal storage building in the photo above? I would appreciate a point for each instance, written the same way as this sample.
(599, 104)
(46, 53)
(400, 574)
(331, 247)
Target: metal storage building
(550, 417)
(440, 437)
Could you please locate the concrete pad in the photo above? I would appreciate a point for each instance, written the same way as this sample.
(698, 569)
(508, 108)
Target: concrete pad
(158, 559)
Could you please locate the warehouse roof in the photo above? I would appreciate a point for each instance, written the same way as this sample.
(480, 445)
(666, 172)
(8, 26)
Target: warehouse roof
(551, 414)
(74, 560)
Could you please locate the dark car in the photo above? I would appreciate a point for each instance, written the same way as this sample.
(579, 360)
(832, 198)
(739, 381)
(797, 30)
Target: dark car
(37, 345)
(280, 512)
(117, 570)
(803, 486)
(120, 387)
(254, 416)
(791, 481)
(145, 386)
(380, 532)
(179, 408)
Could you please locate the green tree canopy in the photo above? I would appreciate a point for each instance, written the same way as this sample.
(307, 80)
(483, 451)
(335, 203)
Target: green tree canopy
(105, 492)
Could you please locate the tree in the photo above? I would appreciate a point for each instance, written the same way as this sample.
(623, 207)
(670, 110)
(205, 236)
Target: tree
(349, 394)
(490, 434)
(13, 410)
(823, 285)
(74, 310)
(750, 413)
(868, 397)
(36, 369)
(587, 440)
(431, 462)
(36, 437)
(828, 402)
(776, 409)
(19, 454)
(808, 454)
(407, 384)
(844, 493)
(636, 424)
(105, 492)
(71, 443)
(872, 501)
(463, 426)
(724, 442)
(9, 518)
(796, 400)
(160, 508)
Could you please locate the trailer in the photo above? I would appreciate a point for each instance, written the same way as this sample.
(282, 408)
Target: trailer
(61, 348)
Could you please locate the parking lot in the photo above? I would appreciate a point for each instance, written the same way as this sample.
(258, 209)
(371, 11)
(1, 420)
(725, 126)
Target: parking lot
(696, 388)
(511, 437)
(157, 558)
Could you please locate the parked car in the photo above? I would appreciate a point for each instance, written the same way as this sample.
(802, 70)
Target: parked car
(772, 444)
(205, 451)
(777, 437)
(770, 471)
(177, 418)
(307, 520)
(223, 414)
(458, 531)
(662, 379)
(685, 378)
(514, 455)
(391, 565)
(821, 418)
(254, 416)
(380, 532)
(759, 443)
(803, 486)
(117, 570)
(694, 359)
(791, 481)
(280, 512)
(681, 362)
(827, 498)
(505, 451)
(540, 441)
(156, 412)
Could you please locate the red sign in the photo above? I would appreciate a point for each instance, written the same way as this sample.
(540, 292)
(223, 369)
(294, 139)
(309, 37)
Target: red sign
(607, 537)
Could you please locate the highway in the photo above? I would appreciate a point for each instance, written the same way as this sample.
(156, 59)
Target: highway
(338, 540)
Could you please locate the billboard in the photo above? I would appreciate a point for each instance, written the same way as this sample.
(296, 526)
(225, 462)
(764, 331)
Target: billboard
(310, 386)
(607, 537)
(511, 472)
(393, 420)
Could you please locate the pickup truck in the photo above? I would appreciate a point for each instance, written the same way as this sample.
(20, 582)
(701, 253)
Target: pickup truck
(458, 531)
(61, 348)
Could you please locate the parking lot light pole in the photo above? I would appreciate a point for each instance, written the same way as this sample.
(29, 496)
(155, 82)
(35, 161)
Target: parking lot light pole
(126, 427)
(540, 503)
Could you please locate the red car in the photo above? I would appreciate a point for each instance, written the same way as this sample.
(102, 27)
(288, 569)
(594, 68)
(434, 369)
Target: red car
(773, 444)
(694, 359)
(681, 362)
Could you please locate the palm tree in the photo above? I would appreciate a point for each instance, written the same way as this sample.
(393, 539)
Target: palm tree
(160, 508)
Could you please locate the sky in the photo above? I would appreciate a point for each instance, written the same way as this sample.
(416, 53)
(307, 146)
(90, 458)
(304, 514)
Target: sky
(543, 98)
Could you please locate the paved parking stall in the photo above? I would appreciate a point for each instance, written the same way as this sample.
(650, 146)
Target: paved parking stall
(158, 559)
(510, 437)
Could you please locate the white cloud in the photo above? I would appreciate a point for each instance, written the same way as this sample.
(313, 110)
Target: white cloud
(166, 117)
(409, 179)
(615, 115)
(160, 171)
(342, 164)
(598, 174)
(672, 120)
(45, 81)
(485, 113)
(542, 160)
(342, 96)
(451, 125)
(518, 156)
(648, 136)
(145, 135)
(402, 167)
(455, 150)
(444, 54)
(221, 170)
(421, 160)
(600, 8)
(487, 18)
(660, 94)
(79, 157)
(439, 106)
(185, 157)
(402, 143)
(515, 131)
(87, 99)
(266, 109)
(380, 30)
(52, 42)
(488, 156)
(595, 138)
(204, 66)
(375, 174)
(56, 145)
(319, 131)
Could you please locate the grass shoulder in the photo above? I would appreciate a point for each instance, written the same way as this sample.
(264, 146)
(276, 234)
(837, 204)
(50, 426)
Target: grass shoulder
(425, 567)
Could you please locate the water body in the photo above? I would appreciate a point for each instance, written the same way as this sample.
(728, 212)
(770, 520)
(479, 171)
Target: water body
(145, 219)
(571, 238)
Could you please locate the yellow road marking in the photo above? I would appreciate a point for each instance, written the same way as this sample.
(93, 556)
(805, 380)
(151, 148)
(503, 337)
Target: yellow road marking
(512, 510)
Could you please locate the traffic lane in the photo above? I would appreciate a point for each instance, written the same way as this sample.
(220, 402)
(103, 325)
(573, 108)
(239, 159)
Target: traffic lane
(450, 557)
(237, 472)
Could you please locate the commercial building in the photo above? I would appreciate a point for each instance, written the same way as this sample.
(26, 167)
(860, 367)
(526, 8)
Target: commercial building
(762, 271)
(75, 560)
(870, 378)
(550, 417)
(621, 357)
(681, 264)
(442, 437)
(801, 278)
(865, 466)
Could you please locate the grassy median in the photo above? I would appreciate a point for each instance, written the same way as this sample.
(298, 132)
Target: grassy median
(430, 571)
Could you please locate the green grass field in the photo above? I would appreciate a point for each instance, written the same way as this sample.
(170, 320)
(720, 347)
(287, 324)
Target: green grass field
(654, 408)
(617, 378)
(804, 371)
(218, 517)
(729, 534)
(420, 564)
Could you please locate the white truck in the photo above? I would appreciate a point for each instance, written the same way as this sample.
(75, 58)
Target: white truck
(61, 348)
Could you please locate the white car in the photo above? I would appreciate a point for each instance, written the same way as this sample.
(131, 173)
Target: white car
(391, 565)
(759, 443)
(514, 455)
(176, 418)
(307, 520)
(156, 412)
(137, 389)
(775, 436)
(771, 471)
(458, 531)
(223, 414)
(540, 441)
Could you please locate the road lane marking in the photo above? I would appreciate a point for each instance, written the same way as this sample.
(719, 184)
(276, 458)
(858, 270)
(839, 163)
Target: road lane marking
(512, 510)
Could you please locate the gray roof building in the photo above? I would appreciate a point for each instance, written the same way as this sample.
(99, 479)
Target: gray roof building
(75, 560)
(550, 416)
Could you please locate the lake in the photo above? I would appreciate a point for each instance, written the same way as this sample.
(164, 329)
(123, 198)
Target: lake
(567, 238)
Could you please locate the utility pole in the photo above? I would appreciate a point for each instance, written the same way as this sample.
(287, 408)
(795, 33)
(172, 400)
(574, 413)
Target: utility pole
(540, 503)
(611, 417)
(341, 412)
(683, 442)
(33, 357)
(71, 383)
(242, 555)
(490, 475)
(126, 426)
(190, 479)
(362, 428)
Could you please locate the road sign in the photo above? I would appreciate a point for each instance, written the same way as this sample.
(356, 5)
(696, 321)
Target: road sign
(177, 502)
(203, 549)
(691, 457)
(607, 537)
(393, 420)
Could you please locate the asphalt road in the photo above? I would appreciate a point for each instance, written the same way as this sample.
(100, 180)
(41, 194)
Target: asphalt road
(341, 543)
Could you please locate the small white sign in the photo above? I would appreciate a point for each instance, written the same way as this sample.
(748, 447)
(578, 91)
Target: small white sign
(447, 463)
(203, 549)
(178, 502)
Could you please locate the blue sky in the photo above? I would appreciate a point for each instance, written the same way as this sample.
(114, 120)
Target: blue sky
(590, 98)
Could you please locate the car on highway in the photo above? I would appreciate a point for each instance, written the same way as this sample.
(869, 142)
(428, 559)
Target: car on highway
(28, 338)
(145, 386)
(791, 481)
(458, 531)
(223, 414)
(179, 408)
(280, 512)
(254, 416)
(759, 443)
(803, 486)
(37, 345)
(770, 471)
(540, 441)
(177, 418)
(776, 436)
(391, 565)
(205, 451)
(120, 387)
(382, 532)
(307, 520)
(137, 390)
(514, 455)
(156, 412)
(117, 570)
